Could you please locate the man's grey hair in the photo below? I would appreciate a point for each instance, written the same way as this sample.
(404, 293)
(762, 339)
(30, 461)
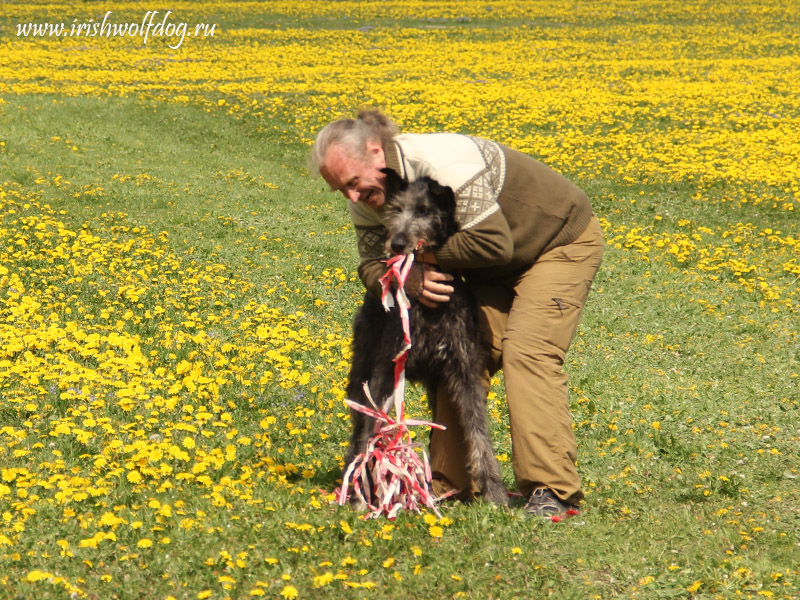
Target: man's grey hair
(353, 135)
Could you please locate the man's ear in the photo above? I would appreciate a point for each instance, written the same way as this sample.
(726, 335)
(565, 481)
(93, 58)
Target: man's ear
(375, 149)
(394, 183)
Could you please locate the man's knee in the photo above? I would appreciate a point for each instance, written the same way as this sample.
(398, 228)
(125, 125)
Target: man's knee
(532, 355)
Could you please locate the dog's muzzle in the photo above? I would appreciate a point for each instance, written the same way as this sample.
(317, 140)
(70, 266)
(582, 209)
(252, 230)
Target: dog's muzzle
(398, 244)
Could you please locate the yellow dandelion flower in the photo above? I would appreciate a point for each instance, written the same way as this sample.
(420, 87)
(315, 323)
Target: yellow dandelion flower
(109, 519)
(322, 580)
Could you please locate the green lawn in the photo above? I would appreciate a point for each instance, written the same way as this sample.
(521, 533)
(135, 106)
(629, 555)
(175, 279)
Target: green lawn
(175, 302)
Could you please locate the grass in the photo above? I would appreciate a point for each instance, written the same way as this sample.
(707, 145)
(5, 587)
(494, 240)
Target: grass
(175, 298)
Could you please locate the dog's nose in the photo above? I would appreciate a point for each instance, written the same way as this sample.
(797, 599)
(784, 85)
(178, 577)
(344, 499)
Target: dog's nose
(398, 244)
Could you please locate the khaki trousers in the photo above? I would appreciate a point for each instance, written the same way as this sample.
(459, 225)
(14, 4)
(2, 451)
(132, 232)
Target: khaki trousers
(529, 320)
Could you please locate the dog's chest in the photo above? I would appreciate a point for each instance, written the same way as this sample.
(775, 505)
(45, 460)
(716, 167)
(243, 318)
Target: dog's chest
(437, 336)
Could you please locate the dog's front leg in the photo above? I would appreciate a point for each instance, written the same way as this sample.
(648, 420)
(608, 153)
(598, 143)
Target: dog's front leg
(470, 399)
(363, 427)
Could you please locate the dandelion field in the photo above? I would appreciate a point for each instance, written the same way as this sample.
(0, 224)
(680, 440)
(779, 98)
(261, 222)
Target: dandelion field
(176, 296)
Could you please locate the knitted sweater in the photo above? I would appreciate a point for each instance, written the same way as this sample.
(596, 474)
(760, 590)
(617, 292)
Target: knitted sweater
(510, 207)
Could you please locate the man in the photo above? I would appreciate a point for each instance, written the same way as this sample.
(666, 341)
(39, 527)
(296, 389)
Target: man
(529, 247)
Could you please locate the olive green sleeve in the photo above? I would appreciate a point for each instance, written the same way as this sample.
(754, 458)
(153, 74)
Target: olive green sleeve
(370, 272)
(485, 244)
(371, 242)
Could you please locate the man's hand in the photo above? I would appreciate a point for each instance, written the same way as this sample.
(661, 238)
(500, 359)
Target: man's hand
(435, 289)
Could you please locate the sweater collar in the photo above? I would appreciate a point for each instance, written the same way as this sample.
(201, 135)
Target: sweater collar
(393, 155)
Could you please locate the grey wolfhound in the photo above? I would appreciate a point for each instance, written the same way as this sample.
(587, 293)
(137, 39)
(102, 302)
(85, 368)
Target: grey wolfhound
(446, 342)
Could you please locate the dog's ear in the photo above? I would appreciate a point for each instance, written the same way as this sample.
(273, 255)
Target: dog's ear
(394, 183)
(445, 197)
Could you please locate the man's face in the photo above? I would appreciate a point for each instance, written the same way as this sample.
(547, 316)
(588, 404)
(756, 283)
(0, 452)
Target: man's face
(359, 180)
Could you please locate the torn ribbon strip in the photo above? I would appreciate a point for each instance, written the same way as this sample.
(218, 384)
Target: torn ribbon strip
(391, 475)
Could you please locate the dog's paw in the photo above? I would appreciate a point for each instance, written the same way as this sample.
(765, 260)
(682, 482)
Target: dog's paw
(495, 494)
(358, 505)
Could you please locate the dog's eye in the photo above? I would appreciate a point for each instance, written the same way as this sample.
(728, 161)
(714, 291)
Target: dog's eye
(421, 210)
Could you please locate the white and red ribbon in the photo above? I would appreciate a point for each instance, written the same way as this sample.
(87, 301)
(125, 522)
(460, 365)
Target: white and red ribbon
(391, 475)
(399, 268)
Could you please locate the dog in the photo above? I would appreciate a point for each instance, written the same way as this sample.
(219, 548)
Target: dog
(447, 347)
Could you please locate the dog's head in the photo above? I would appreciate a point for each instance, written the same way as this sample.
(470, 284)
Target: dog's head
(421, 213)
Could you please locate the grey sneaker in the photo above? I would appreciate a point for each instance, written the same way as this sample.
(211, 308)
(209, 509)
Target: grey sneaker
(544, 503)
